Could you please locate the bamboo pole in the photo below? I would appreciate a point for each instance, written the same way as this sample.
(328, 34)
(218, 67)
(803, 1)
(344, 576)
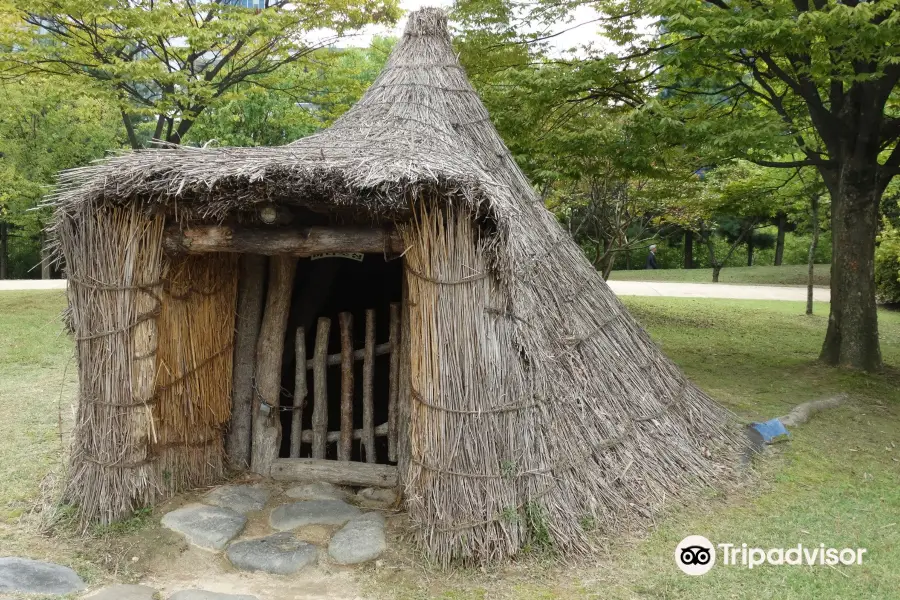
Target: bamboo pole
(320, 406)
(368, 441)
(335, 436)
(251, 295)
(393, 390)
(269, 353)
(300, 392)
(345, 448)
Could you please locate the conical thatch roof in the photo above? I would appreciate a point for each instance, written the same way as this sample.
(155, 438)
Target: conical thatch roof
(575, 418)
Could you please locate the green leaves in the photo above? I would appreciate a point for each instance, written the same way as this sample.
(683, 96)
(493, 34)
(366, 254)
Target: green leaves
(165, 62)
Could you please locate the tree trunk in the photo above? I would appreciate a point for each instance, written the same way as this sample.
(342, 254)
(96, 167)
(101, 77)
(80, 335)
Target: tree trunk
(717, 268)
(45, 259)
(269, 353)
(4, 250)
(779, 244)
(688, 249)
(852, 337)
(750, 251)
(250, 297)
(812, 253)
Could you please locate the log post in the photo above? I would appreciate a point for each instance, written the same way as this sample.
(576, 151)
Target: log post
(320, 372)
(252, 275)
(299, 392)
(368, 441)
(269, 353)
(394, 387)
(345, 448)
(334, 471)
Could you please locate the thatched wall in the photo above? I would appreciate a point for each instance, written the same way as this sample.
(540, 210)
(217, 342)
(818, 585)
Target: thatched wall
(114, 265)
(153, 343)
(193, 385)
(539, 410)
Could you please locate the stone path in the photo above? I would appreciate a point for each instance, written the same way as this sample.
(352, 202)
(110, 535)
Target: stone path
(717, 290)
(282, 525)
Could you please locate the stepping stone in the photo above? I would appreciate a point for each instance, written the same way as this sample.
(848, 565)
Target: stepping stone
(124, 592)
(316, 491)
(360, 540)
(378, 497)
(241, 499)
(27, 576)
(312, 512)
(204, 595)
(209, 527)
(280, 553)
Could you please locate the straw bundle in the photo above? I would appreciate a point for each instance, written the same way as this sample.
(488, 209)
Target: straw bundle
(196, 328)
(465, 433)
(114, 262)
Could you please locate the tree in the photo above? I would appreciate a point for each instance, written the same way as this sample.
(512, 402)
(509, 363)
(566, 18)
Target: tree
(165, 62)
(826, 75)
(46, 125)
(299, 100)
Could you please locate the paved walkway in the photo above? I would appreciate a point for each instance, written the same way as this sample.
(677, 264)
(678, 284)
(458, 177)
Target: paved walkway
(621, 288)
(717, 290)
(32, 284)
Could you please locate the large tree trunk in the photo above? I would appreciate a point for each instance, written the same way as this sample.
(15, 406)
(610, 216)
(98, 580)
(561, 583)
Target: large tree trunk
(779, 244)
(688, 249)
(852, 337)
(750, 251)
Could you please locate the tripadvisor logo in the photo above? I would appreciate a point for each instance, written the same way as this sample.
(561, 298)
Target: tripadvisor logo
(696, 555)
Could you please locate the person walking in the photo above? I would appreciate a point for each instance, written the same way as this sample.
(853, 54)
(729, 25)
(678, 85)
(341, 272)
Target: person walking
(651, 257)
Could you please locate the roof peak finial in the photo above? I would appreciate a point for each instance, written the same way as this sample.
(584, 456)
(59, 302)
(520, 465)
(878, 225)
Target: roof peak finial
(427, 21)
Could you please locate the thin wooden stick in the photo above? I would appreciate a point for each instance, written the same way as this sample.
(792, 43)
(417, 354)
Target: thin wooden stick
(300, 392)
(335, 359)
(394, 388)
(368, 441)
(320, 407)
(345, 448)
(335, 436)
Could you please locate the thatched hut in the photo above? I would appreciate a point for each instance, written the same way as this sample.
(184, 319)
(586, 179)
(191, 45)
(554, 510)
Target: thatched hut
(490, 370)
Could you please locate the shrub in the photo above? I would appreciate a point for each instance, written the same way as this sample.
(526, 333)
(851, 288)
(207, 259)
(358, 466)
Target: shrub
(887, 265)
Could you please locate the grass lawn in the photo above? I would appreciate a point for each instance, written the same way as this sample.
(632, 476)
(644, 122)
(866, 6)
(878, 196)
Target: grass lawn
(767, 275)
(836, 482)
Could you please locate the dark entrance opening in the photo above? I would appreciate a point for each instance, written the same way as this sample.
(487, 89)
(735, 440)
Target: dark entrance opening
(327, 287)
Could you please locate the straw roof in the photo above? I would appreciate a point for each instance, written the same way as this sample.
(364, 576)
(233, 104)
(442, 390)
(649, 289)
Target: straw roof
(587, 423)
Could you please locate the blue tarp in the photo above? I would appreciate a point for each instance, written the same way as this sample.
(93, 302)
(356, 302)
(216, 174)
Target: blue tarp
(770, 430)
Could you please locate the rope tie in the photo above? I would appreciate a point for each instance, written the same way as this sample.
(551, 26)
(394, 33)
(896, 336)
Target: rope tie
(435, 280)
(488, 411)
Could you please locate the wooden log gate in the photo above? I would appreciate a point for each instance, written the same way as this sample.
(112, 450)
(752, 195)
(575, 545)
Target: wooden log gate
(319, 436)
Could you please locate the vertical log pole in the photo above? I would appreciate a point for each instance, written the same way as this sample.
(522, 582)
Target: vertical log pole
(269, 353)
(368, 438)
(345, 446)
(300, 392)
(320, 372)
(250, 297)
(393, 390)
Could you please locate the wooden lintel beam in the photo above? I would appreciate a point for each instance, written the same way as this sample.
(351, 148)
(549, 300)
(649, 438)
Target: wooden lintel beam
(294, 241)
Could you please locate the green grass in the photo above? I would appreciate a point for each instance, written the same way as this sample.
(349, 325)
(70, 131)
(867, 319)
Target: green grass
(835, 482)
(767, 275)
(34, 395)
